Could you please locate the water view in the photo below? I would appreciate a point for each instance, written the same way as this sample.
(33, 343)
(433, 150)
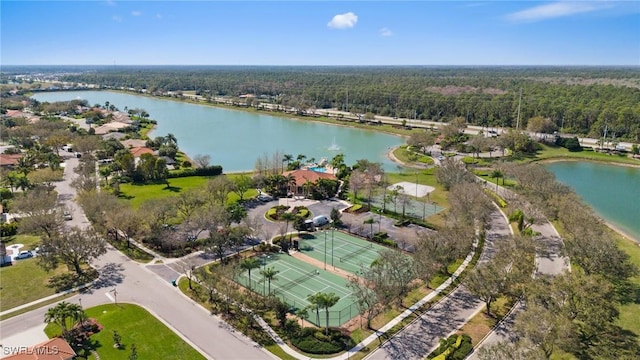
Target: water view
(612, 191)
(235, 139)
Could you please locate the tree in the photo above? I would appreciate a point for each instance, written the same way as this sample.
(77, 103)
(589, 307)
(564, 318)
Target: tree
(40, 214)
(287, 217)
(269, 274)
(336, 216)
(365, 298)
(250, 264)
(62, 313)
(202, 161)
(317, 301)
(451, 172)
(242, 183)
(370, 221)
(487, 282)
(541, 124)
(74, 248)
(328, 300)
(287, 158)
(117, 339)
(497, 174)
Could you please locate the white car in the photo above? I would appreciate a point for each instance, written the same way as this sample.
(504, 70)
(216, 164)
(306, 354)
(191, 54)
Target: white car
(24, 255)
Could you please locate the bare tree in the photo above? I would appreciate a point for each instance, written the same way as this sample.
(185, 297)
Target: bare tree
(202, 161)
(40, 215)
(73, 247)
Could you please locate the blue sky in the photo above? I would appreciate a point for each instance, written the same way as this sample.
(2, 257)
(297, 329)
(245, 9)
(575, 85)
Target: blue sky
(320, 32)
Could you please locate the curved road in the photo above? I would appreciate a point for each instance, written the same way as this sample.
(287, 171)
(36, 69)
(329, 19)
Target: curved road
(135, 283)
(422, 336)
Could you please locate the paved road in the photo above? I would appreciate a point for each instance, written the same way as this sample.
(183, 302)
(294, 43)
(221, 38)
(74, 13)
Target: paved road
(135, 283)
(549, 261)
(421, 337)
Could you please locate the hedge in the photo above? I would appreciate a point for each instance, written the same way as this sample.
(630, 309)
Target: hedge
(313, 341)
(206, 171)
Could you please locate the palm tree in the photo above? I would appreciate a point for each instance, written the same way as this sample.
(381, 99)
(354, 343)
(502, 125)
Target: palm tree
(497, 174)
(301, 157)
(337, 162)
(250, 264)
(60, 313)
(303, 314)
(171, 139)
(316, 301)
(290, 181)
(287, 217)
(370, 221)
(287, 158)
(328, 300)
(270, 274)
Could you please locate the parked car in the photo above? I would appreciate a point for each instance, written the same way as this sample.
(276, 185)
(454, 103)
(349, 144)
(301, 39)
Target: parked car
(265, 198)
(67, 215)
(320, 220)
(24, 255)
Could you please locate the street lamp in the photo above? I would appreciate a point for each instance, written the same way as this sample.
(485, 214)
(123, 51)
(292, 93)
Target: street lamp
(325, 249)
(332, 230)
(264, 267)
(379, 219)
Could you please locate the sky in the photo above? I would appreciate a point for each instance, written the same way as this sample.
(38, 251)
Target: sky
(597, 32)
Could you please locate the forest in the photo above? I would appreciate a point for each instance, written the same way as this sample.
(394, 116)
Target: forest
(578, 100)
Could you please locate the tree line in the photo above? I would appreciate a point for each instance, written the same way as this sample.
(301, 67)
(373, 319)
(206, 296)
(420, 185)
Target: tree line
(482, 96)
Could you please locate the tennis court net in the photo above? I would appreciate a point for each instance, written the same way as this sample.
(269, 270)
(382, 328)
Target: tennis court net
(355, 252)
(299, 280)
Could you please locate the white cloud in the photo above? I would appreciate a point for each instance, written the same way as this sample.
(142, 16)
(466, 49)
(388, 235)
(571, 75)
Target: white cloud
(117, 18)
(386, 32)
(555, 10)
(343, 21)
(136, 13)
(158, 16)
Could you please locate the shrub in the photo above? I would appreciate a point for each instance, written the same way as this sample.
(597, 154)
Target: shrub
(314, 341)
(389, 242)
(380, 236)
(5, 194)
(8, 229)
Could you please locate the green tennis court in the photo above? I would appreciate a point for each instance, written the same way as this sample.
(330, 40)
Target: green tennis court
(295, 280)
(340, 250)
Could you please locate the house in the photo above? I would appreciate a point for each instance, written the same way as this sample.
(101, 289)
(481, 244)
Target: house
(304, 177)
(131, 143)
(52, 349)
(109, 127)
(9, 161)
(138, 151)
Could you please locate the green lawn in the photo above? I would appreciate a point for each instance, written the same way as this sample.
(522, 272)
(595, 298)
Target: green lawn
(139, 193)
(557, 152)
(425, 177)
(152, 338)
(630, 313)
(408, 156)
(25, 281)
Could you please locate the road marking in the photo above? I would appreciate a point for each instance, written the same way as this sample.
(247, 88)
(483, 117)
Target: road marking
(110, 297)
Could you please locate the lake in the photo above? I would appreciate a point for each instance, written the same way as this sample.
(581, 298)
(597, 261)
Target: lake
(235, 139)
(612, 191)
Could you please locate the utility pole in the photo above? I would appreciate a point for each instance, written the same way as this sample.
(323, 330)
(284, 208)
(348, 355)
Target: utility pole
(347, 107)
(519, 103)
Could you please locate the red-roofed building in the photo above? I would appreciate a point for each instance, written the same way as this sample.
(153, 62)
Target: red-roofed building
(52, 349)
(138, 151)
(304, 177)
(9, 160)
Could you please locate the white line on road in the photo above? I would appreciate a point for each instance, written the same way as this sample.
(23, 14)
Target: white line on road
(110, 297)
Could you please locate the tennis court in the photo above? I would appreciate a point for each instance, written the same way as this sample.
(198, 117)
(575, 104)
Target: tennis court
(340, 250)
(296, 280)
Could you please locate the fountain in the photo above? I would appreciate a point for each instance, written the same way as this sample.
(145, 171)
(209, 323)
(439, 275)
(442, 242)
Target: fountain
(334, 146)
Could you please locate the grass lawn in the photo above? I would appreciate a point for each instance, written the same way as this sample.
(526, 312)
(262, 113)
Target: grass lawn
(152, 338)
(139, 193)
(25, 281)
(557, 152)
(407, 156)
(630, 313)
(425, 177)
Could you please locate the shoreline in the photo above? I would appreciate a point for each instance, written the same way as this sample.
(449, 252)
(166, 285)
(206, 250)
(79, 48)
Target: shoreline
(622, 233)
(570, 159)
